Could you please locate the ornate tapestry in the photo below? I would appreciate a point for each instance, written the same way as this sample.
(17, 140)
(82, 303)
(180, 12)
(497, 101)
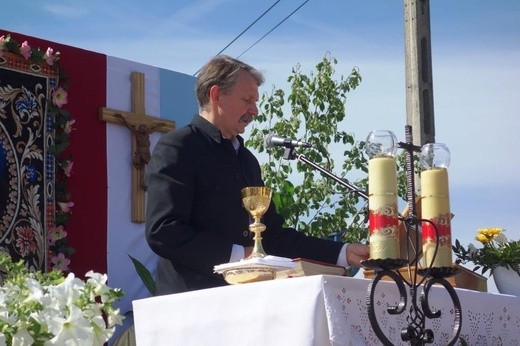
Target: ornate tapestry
(27, 202)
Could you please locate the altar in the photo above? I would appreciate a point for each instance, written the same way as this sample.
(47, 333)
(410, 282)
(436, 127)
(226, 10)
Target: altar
(315, 310)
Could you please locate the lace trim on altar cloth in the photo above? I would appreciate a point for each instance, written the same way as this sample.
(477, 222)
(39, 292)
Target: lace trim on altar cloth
(487, 319)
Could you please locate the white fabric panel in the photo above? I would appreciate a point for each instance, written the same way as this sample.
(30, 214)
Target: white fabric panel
(124, 237)
(278, 312)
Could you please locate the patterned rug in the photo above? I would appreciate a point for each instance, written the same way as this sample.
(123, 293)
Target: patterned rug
(26, 166)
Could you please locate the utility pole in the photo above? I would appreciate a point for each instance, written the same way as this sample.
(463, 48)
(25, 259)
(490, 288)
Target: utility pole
(418, 64)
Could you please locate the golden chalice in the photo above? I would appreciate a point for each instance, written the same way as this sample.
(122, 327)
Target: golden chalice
(256, 200)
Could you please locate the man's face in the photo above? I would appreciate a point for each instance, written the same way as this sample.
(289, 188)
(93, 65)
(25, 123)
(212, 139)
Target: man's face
(237, 108)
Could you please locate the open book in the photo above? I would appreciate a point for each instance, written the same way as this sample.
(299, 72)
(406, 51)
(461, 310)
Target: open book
(306, 267)
(284, 267)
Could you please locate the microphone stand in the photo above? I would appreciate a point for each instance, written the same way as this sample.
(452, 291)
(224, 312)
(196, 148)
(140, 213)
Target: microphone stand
(291, 154)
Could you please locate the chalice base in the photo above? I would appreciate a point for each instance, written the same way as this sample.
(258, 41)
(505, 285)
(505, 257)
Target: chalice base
(246, 275)
(256, 255)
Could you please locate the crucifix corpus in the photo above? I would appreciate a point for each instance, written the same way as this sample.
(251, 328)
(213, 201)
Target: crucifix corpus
(141, 126)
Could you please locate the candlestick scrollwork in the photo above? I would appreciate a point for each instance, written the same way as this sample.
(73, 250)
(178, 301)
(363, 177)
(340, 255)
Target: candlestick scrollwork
(385, 254)
(436, 266)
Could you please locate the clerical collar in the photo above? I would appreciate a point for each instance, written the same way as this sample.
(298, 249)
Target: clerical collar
(236, 143)
(213, 132)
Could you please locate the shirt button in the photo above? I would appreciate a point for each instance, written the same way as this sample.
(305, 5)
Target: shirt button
(245, 233)
(237, 176)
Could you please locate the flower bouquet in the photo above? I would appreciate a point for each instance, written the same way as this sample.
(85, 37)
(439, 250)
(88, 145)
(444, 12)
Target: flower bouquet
(496, 251)
(50, 309)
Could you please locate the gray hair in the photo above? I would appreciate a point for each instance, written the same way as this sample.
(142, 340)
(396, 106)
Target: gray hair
(222, 71)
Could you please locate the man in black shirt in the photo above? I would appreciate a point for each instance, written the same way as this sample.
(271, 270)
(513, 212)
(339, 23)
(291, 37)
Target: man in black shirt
(195, 218)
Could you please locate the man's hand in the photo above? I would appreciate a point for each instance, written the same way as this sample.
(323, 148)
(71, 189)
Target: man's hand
(356, 253)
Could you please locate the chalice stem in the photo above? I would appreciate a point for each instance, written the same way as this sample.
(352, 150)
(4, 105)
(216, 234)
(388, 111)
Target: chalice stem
(258, 250)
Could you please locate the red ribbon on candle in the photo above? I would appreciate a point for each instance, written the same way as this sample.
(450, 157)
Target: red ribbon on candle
(379, 221)
(443, 227)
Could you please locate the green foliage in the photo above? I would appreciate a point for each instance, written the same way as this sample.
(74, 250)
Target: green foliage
(310, 202)
(495, 252)
(145, 275)
(16, 272)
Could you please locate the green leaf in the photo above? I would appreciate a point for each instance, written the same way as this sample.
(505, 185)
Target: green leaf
(145, 275)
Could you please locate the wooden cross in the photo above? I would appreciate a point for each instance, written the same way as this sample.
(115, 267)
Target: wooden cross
(141, 126)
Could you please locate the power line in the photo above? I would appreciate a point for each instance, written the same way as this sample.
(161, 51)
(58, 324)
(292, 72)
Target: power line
(246, 29)
(250, 25)
(277, 25)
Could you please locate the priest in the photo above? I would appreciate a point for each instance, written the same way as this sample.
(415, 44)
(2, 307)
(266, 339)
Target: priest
(194, 217)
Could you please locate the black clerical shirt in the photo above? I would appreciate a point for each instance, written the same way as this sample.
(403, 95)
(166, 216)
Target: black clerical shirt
(194, 207)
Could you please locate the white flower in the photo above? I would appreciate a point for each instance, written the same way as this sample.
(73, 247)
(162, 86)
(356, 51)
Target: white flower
(98, 281)
(101, 333)
(67, 292)
(35, 291)
(472, 249)
(22, 338)
(50, 309)
(114, 318)
(5, 316)
(501, 239)
(72, 330)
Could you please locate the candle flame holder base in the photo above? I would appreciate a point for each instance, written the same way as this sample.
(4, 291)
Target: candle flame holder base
(384, 264)
(441, 272)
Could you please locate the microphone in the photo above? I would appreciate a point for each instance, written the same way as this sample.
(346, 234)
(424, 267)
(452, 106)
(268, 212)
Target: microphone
(272, 140)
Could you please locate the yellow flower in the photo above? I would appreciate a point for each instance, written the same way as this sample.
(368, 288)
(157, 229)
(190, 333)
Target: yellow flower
(496, 252)
(490, 232)
(485, 235)
(482, 238)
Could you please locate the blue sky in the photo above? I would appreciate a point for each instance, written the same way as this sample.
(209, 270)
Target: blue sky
(476, 69)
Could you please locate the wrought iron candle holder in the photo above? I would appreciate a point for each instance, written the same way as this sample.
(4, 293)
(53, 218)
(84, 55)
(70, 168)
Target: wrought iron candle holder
(419, 310)
(415, 332)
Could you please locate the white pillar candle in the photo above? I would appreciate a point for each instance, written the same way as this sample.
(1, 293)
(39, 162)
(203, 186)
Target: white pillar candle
(382, 203)
(435, 207)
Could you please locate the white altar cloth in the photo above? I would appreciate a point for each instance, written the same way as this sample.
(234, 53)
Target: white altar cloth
(314, 310)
